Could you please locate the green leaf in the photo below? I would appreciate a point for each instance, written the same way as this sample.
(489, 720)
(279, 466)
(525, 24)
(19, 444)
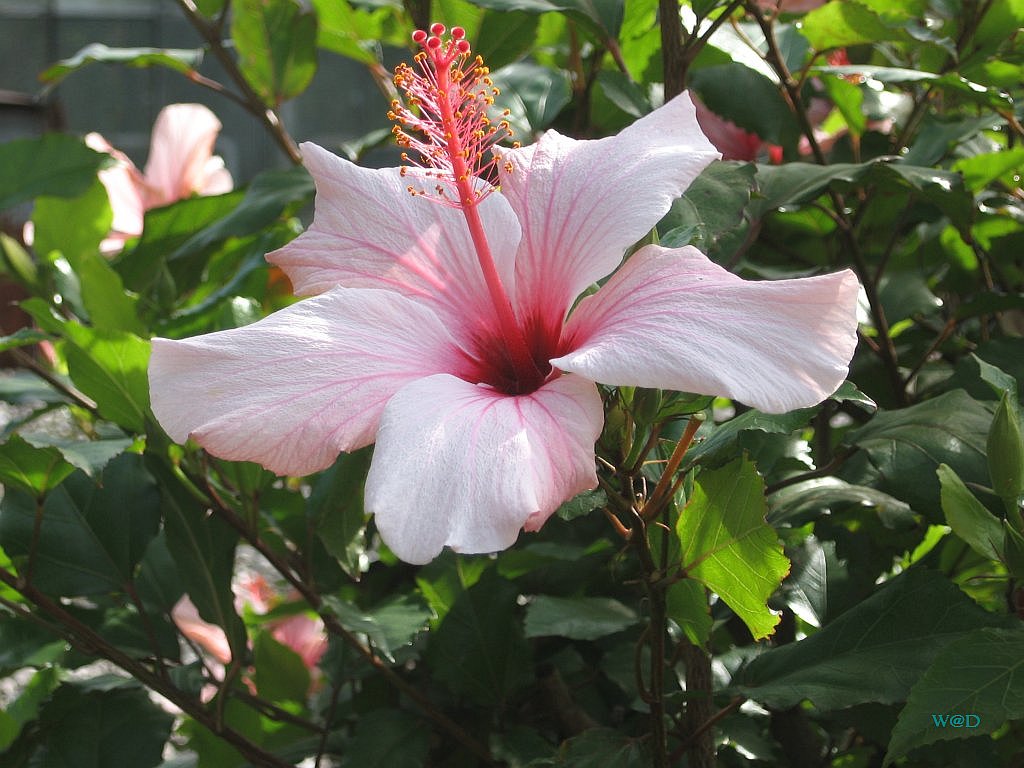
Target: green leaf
(711, 210)
(900, 629)
(184, 60)
(276, 43)
(505, 37)
(981, 673)
(602, 16)
(280, 674)
(843, 23)
(799, 502)
(624, 93)
(23, 710)
(849, 100)
(968, 517)
(336, 508)
(183, 235)
(56, 164)
(1006, 451)
(582, 504)
(534, 95)
(603, 747)
(981, 170)
(30, 468)
(905, 447)
(90, 456)
(25, 644)
(479, 650)
(728, 546)
(387, 738)
(203, 547)
(686, 603)
(72, 226)
(90, 535)
(578, 618)
(102, 729)
(389, 626)
(355, 33)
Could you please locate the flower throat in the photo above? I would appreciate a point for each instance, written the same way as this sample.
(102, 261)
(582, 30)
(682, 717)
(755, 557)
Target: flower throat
(456, 144)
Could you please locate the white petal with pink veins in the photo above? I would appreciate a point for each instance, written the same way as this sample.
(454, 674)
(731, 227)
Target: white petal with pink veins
(294, 389)
(674, 319)
(368, 231)
(465, 466)
(582, 203)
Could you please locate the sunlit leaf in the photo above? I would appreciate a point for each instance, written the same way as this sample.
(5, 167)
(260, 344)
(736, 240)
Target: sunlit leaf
(728, 546)
(182, 60)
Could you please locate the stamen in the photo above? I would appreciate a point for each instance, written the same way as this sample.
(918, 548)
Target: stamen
(455, 140)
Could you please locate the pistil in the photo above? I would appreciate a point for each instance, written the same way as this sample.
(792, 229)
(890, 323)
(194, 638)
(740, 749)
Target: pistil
(458, 132)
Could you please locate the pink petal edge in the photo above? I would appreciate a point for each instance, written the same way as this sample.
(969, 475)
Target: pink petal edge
(465, 466)
(673, 319)
(293, 390)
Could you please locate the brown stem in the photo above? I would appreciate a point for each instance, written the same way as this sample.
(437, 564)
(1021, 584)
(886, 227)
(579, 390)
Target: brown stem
(335, 628)
(28, 362)
(661, 492)
(91, 643)
(700, 747)
(672, 55)
(250, 99)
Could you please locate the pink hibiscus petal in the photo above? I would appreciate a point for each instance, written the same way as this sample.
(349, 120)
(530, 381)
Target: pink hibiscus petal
(369, 232)
(582, 203)
(124, 185)
(465, 466)
(673, 319)
(179, 149)
(294, 389)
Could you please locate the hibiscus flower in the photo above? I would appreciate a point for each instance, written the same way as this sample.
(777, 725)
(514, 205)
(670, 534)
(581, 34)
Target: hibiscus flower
(181, 163)
(449, 334)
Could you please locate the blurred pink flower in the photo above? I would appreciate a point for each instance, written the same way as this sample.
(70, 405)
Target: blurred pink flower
(449, 334)
(300, 632)
(181, 163)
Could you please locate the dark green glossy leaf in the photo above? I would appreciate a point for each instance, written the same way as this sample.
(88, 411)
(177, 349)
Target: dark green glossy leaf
(602, 16)
(505, 37)
(389, 626)
(728, 546)
(578, 618)
(90, 536)
(57, 165)
(26, 644)
(203, 547)
(603, 747)
(901, 628)
(276, 43)
(388, 738)
(336, 507)
(797, 503)
(905, 447)
(102, 729)
(479, 650)
(533, 94)
(182, 60)
(981, 673)
(711, 210)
